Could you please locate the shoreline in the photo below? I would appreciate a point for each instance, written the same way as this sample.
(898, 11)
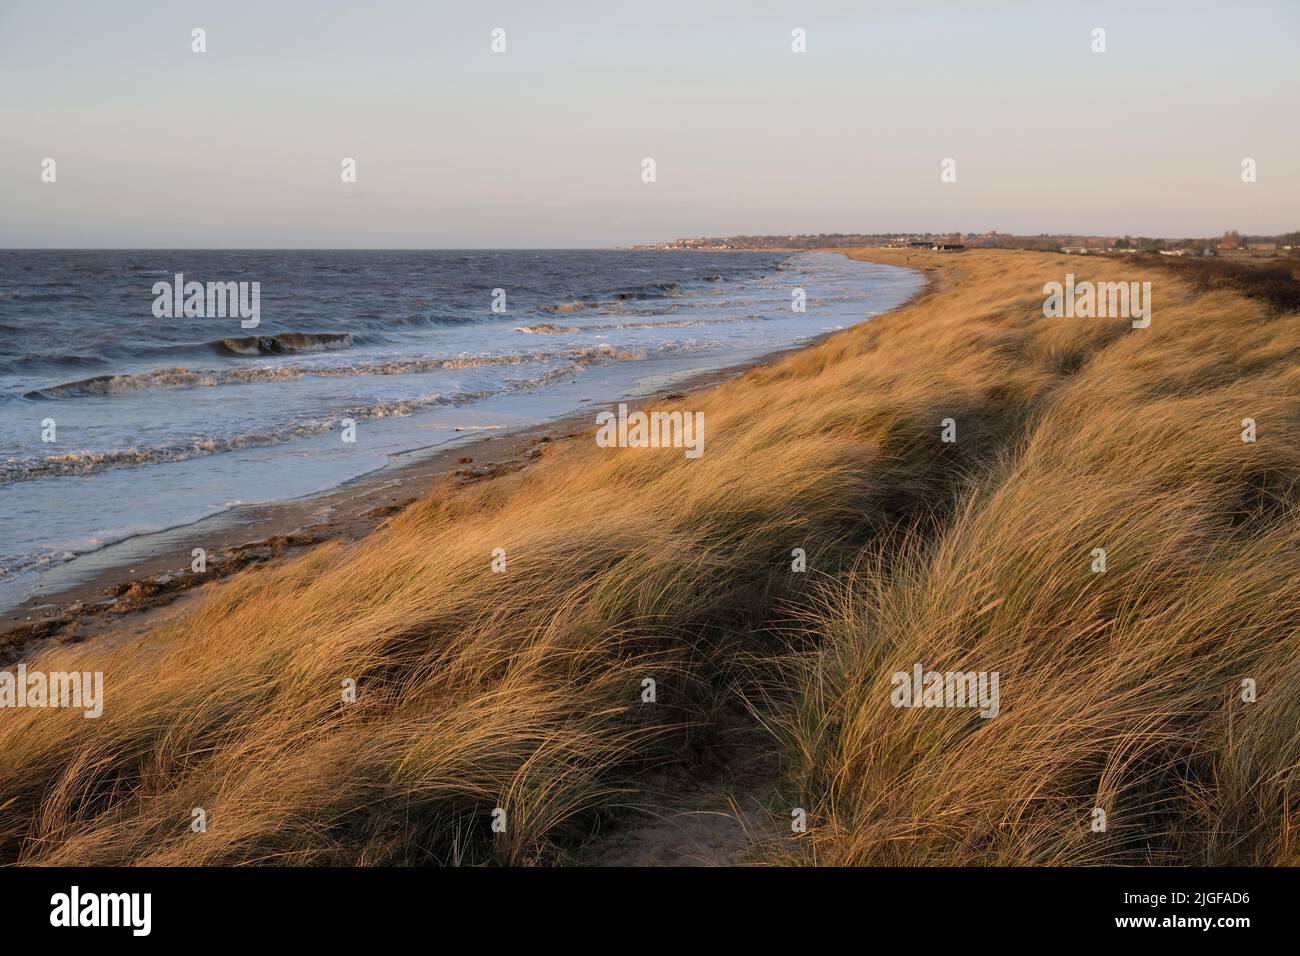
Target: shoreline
(131, 592)
(130, 595)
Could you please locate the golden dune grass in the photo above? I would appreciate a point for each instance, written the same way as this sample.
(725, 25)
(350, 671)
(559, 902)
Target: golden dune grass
(522, 690)
(1119, 690)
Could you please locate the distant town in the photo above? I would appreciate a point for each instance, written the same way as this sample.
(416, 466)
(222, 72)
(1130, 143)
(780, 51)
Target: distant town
(1230, 244)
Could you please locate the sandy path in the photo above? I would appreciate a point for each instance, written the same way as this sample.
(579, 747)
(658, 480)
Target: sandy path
(708, 811)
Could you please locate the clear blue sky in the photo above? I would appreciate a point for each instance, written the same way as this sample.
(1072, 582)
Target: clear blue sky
(541, 146)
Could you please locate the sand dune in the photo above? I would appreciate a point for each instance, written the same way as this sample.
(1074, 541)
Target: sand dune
(523, 690)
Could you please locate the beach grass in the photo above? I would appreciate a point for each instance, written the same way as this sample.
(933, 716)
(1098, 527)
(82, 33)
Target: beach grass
(497, 712)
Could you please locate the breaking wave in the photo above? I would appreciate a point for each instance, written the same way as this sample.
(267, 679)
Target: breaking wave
(617, 300)
(85, 462)
(287, 343)
(578, 357)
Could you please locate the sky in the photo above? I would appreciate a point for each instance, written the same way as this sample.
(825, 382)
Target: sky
(542, 146)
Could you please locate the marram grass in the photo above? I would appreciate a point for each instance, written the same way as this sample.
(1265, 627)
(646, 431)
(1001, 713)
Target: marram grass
(522, 691)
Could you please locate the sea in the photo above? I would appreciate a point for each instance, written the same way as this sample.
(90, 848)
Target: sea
(122, 416)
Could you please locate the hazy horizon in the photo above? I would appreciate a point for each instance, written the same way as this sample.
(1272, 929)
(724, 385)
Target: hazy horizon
(457, 147)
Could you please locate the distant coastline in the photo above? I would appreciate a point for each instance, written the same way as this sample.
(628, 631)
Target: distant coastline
(1231, 244)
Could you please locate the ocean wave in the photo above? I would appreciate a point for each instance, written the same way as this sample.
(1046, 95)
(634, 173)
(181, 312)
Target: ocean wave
(548, 328)
(286, 343)
(157, 379)
(85, 462)
(181, 377)
(235, 347)
(652, 290)
(568, 308)
(88, 461)
(616, 300)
